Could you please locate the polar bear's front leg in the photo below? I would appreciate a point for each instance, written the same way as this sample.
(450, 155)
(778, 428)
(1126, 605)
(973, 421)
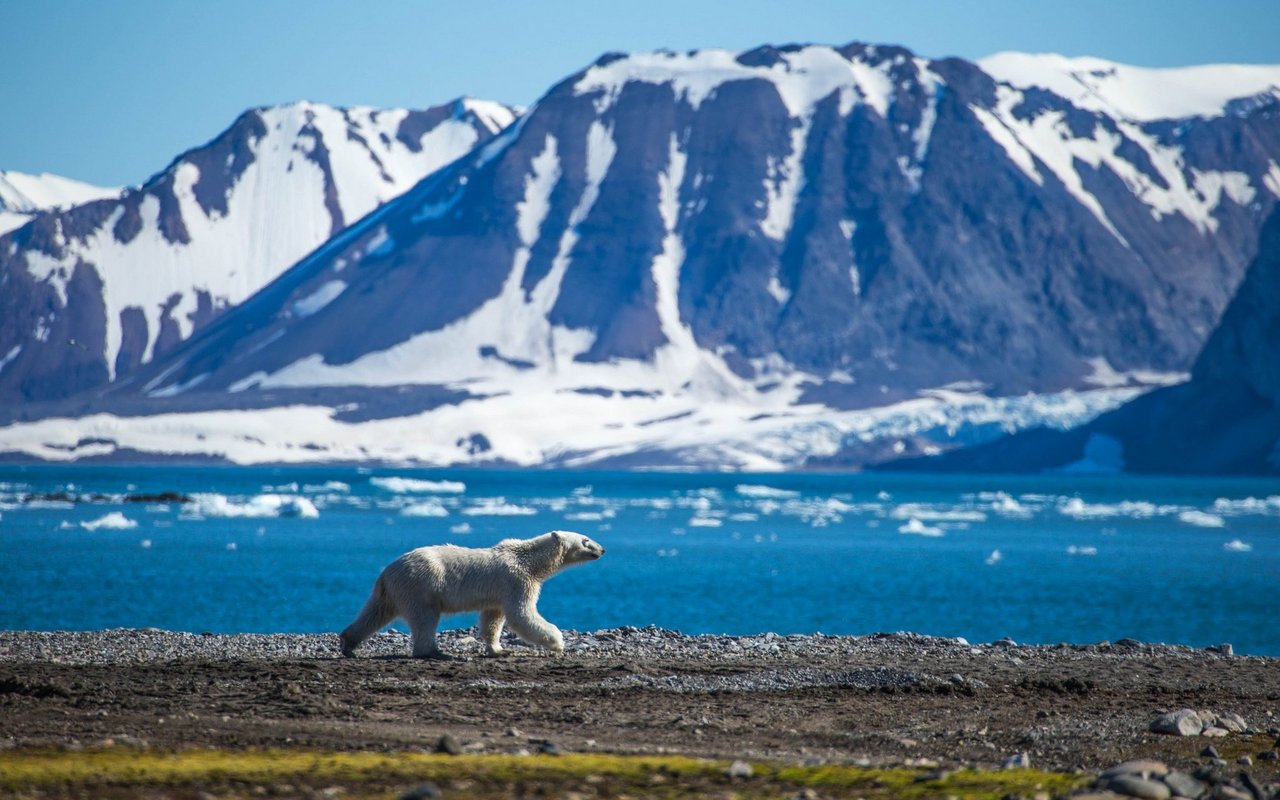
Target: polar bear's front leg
(491, 620)
(524, 619)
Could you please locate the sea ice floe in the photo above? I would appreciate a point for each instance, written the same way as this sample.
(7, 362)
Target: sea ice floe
(705, 522)
(993, 559)
(1137, 509)
(327, 486)
(462, 527)
(923, 512)
(1237, 546)
(1248, 505)
(915, 526)
(1202, 519)
(498, 507)
(431, 508)
(405, 485)
(113, 521)
(1084, 550)
(263, 505)
(757, 491)
(1006, 505)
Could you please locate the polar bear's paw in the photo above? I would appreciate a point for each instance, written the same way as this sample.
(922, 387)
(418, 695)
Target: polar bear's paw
(347, 650)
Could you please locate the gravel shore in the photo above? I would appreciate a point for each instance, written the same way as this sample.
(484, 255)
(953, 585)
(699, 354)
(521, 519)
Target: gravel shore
(880, 700)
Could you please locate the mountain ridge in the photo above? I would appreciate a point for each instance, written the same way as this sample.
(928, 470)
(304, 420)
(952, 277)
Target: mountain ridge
(114, 282)
(905, 239)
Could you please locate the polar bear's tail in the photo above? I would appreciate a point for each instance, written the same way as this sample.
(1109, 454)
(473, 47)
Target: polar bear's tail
(378, 611)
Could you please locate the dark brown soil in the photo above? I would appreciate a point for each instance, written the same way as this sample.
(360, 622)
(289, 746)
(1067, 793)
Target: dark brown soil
(888, 700)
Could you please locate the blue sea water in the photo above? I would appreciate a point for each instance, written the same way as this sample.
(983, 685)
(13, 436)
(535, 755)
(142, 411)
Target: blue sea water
(1039, 559)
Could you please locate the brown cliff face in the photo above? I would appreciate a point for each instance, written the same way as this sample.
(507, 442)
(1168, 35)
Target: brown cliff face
(1225, 420)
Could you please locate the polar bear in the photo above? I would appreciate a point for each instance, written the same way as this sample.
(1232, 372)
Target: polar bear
(501, 582)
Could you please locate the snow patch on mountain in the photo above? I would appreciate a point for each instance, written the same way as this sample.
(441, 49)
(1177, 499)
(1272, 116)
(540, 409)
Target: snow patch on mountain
(1045, 138)
(802, 77)
(23, 195)
(1141, 94)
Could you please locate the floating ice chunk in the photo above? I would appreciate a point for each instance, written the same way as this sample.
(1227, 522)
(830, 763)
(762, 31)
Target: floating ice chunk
(431, 508)
(753, 490)
(462, 527)
(744, 516)
(327, 486)
(114, 521)
(264, 505)
(145, 544)
(928, 513)
(232, 546)
(498, 507)
(993, 559)
(405, 485)
(1237, 546)
(1086, 550)
(1006, 506)
(915, 526)
(1136, 509)
(1248, 505)
(1202, 519)
(705, 522)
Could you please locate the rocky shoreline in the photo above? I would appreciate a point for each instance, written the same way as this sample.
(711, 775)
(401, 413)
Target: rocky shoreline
(1186, 722)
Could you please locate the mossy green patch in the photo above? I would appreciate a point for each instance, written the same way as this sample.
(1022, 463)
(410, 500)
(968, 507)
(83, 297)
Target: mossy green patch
(122, 771)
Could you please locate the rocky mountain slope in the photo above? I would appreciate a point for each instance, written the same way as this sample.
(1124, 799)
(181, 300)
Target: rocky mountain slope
(758, 259)
(90, 292)
(1225, 419)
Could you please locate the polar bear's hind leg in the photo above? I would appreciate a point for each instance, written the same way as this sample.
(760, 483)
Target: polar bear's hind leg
(378, 612)
(423, 622)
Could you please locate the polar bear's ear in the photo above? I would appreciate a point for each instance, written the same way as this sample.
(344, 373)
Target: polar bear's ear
(556, 537)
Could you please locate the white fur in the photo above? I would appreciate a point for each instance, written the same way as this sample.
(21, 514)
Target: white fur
(501, 582)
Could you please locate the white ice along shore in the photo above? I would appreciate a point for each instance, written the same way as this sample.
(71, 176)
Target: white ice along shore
(574, 429)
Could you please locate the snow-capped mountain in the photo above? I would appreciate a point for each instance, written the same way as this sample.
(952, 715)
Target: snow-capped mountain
(93, 291)
(1225, 419)
(23, 195)
(765, 259)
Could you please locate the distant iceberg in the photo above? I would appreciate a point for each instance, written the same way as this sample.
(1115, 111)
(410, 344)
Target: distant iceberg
(498, 507)
(431, 508)
(114, 521)
(752, 490)
(406, 485)
(1237, 546)
(1202, 519)
(263, 505)
(915, 526)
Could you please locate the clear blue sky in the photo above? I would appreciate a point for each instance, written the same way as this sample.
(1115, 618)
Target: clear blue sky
(110, 91)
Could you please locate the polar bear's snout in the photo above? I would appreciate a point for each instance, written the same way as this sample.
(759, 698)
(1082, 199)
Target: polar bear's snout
(579, 547)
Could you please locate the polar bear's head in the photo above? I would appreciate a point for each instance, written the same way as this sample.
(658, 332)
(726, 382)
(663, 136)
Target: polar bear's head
(576, 548)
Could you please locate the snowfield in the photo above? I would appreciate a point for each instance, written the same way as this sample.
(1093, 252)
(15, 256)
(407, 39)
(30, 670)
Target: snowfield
(568, 429)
